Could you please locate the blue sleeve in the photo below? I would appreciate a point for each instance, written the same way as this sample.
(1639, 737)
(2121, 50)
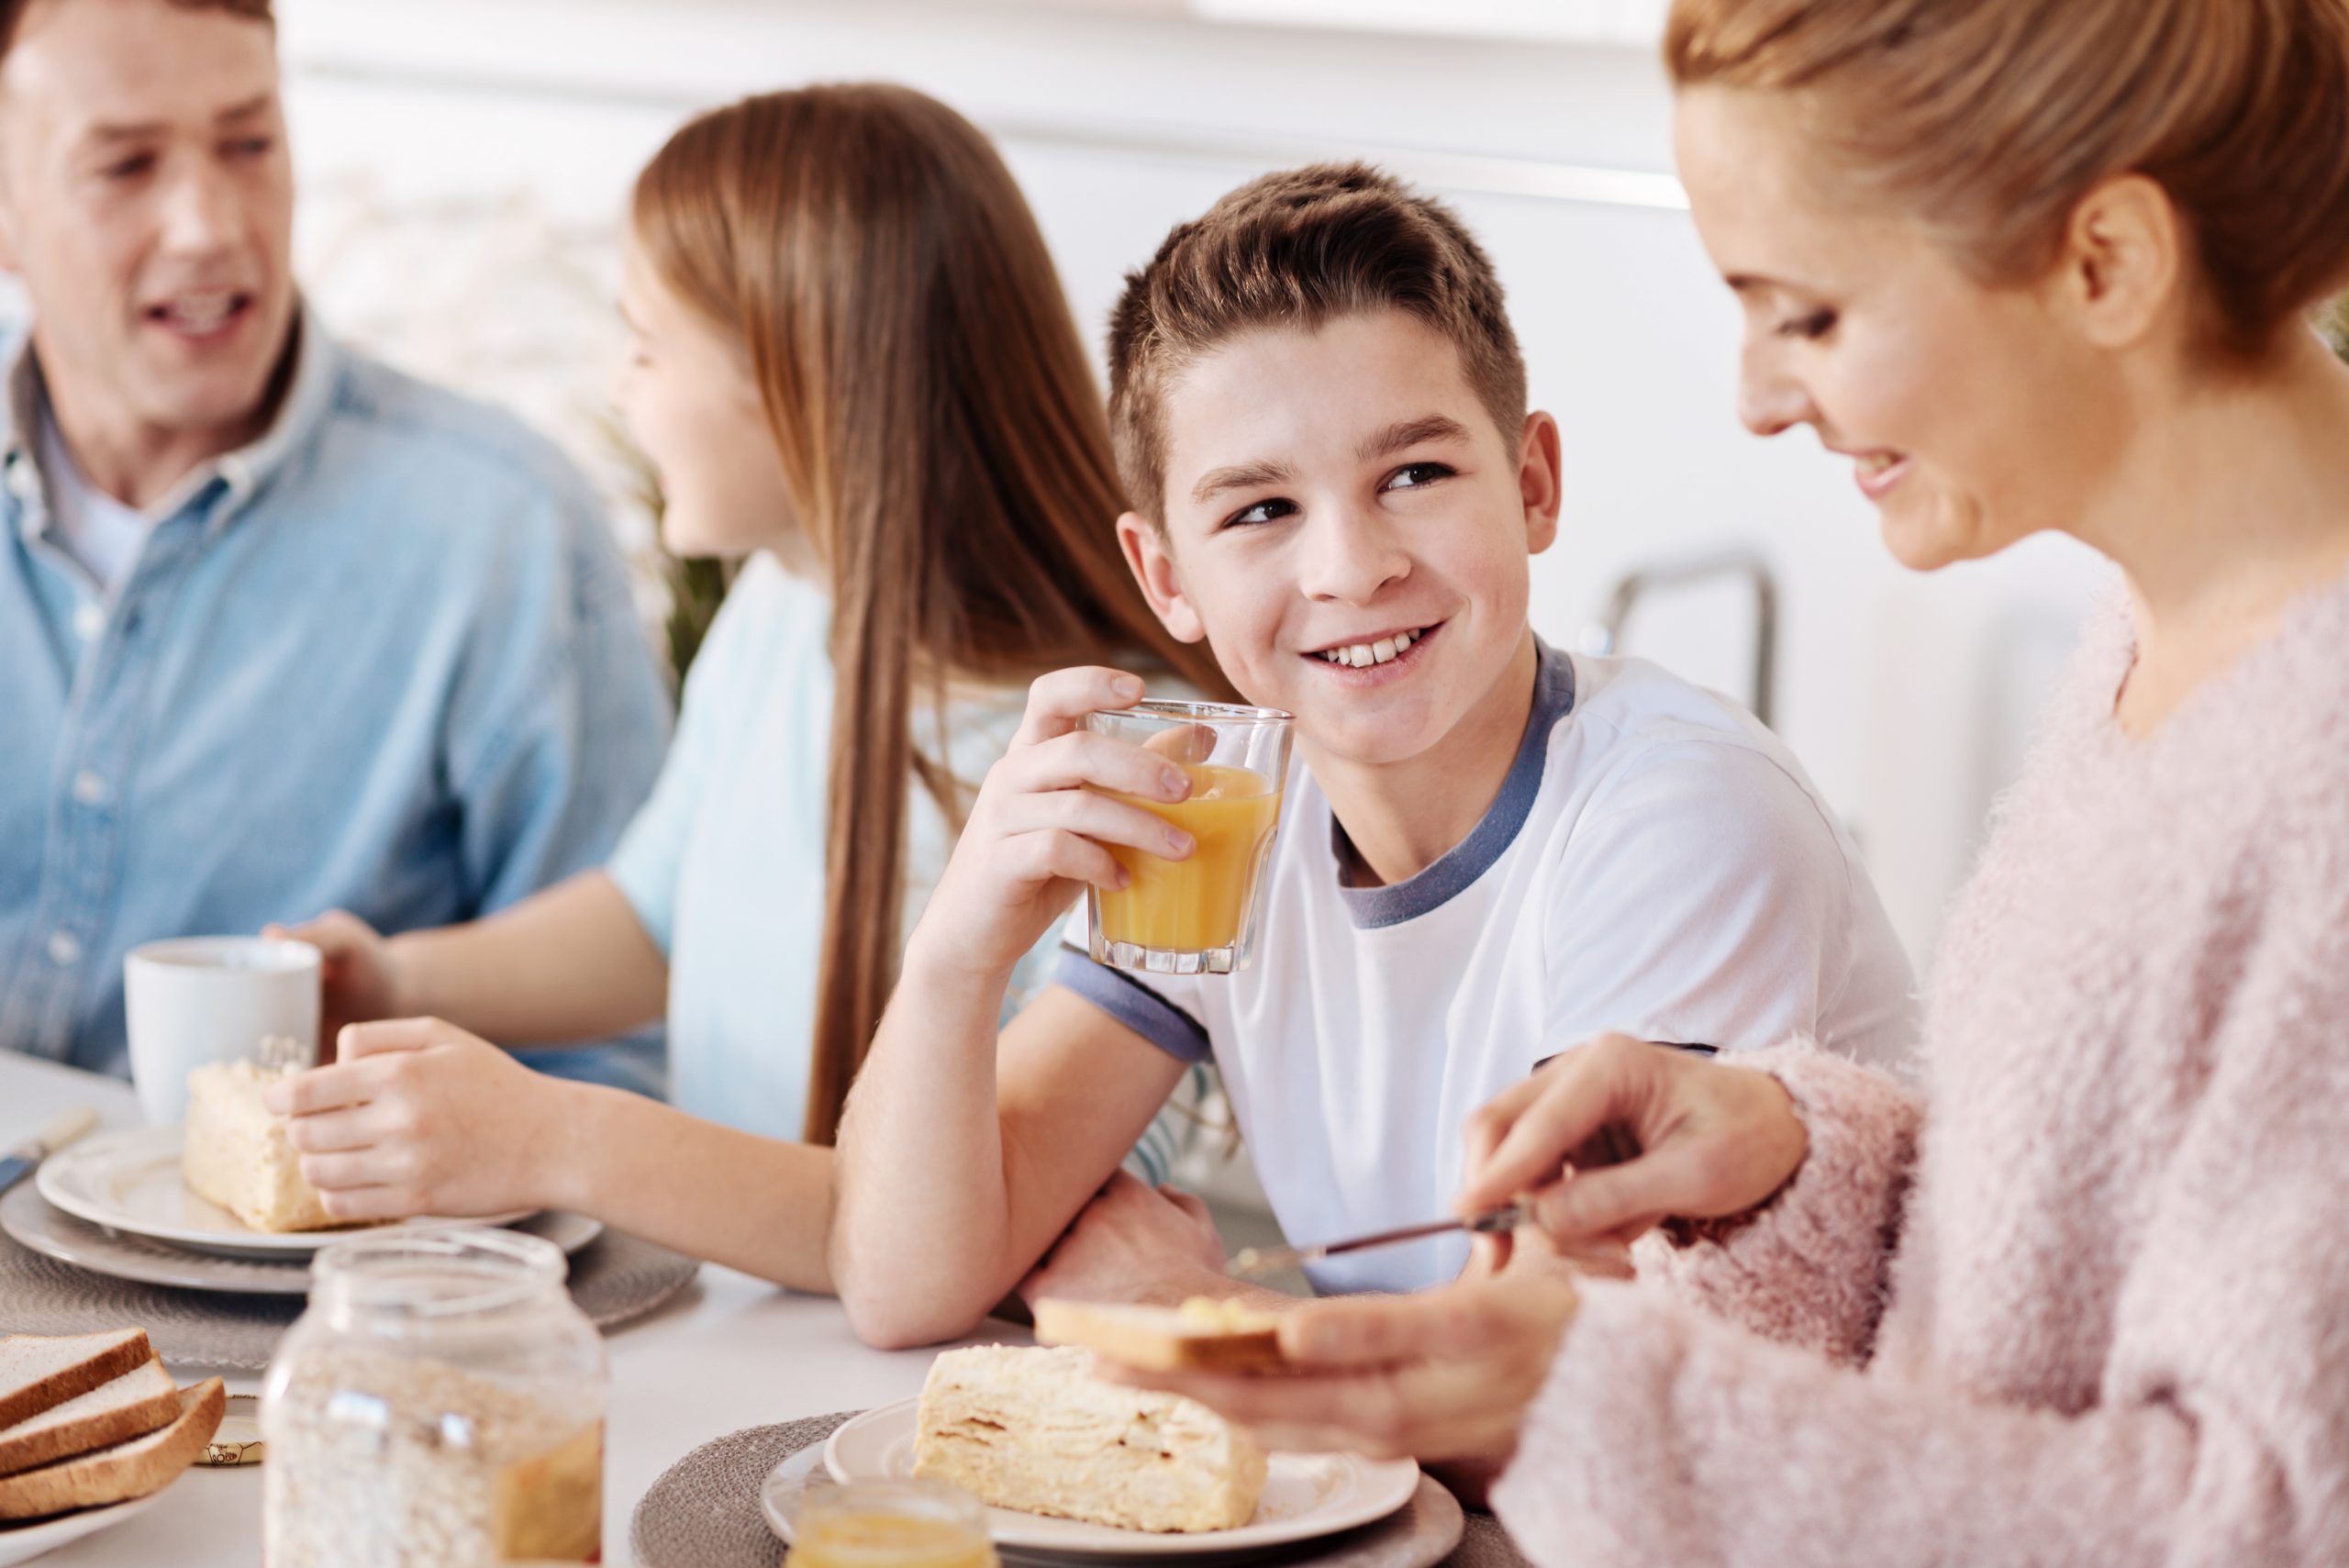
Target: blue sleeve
(1127, 1000)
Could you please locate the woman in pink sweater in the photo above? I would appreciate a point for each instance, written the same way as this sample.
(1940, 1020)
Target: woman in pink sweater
(2083, 1298)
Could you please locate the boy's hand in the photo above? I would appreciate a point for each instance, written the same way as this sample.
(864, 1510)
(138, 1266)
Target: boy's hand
(1640, 1133)
(360, 977)
(418, 1117)
(1132, 1242)
(1036, 835)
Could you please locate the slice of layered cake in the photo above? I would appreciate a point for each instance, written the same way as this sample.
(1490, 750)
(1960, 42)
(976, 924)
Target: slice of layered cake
(236, 1154)
(1035, 1431)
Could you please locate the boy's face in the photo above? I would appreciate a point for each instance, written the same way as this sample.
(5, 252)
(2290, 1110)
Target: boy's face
(1349, 529)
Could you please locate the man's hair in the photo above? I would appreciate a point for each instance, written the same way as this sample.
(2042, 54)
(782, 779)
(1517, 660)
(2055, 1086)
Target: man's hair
(13, 13)
(1296, 250)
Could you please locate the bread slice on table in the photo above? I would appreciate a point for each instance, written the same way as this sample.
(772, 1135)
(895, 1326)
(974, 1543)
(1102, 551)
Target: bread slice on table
(1201, 1335)
(137, 1402)
(236, 1154)
(37, 1371)
(124, 1470)
(1035, 1431)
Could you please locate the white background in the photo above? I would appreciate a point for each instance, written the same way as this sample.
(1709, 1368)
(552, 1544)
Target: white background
(463, 160)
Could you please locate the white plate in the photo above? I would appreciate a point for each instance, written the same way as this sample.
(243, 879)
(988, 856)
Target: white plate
(20, 1543)
(1305, 1496)
(130, 1181)
(41, 1225)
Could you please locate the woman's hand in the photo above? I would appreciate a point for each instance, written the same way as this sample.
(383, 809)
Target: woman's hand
(418, 1117)
(1616, 1135)
(360, 975)
(1038, 832)
(1445, 1375)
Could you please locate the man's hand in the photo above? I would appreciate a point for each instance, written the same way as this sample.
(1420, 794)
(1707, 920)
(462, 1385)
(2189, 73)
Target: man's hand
(1133, 1243)
(418, 1117)
(1445, 1375)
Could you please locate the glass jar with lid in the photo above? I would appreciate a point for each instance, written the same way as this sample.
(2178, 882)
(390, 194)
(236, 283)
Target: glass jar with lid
(441, 1402)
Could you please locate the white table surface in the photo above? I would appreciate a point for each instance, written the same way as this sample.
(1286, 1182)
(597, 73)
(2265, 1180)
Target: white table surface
(731, 1351)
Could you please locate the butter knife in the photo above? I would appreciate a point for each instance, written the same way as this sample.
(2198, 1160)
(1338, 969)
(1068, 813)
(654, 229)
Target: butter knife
(1256, 1263)
(18, 1162)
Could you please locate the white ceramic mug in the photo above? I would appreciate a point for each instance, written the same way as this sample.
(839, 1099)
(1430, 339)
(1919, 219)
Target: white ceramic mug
(203, 999)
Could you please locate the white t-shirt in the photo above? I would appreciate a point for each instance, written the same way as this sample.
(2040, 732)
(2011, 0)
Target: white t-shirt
(101, 533)
(1655, 864)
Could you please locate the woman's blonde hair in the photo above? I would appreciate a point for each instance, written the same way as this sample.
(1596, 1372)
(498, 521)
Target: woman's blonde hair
(1990, 119)
(943, 445)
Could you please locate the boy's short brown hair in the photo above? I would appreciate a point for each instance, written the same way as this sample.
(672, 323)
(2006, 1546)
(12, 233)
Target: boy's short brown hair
(1298, 249)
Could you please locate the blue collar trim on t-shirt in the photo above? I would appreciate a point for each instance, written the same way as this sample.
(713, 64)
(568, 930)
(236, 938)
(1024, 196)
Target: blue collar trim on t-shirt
(1370, 907)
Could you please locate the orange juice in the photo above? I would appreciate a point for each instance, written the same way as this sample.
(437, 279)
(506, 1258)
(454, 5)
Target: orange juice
(1199, 904)
(876, 1539)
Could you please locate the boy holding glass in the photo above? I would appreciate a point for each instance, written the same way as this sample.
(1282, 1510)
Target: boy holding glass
(1491, 850)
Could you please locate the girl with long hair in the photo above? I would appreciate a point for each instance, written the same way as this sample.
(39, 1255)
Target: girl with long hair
(854, 368)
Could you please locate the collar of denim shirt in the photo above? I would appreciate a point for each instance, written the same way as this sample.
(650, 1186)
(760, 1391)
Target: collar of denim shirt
(240, 472)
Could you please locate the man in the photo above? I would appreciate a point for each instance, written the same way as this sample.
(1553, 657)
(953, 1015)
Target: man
(280, 629)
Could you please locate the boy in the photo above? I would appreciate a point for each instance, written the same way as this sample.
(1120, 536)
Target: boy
(1490, 850)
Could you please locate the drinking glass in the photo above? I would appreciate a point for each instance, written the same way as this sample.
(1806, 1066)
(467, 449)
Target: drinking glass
(1196, 916)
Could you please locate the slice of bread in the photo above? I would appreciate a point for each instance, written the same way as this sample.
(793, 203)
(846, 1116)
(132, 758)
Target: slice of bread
(37, 1370)
(236, 1154)
(137, 1402)
(1035, 1431)
(1201, 1335)
(128, 1470)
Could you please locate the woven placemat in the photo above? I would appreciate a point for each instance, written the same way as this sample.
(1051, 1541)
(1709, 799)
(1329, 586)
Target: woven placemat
(704, 1512)
(615, 1279)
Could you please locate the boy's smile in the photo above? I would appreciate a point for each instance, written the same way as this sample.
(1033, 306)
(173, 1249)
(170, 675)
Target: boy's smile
(1349, 529)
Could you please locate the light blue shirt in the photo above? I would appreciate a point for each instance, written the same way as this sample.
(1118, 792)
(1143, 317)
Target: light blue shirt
(725, 864)
(383, 659)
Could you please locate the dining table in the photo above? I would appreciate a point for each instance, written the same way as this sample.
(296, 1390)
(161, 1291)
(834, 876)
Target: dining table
(730, 1352)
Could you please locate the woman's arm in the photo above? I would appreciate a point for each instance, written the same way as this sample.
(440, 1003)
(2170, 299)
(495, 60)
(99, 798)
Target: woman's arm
(1805, 1154)
(570, 962)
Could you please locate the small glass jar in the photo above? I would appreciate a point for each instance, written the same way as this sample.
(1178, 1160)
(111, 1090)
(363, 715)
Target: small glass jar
(441, 1402)
(890, 1524)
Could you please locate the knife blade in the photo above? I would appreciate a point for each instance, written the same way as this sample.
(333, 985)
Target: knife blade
(69, 1126)
(1255, 1263)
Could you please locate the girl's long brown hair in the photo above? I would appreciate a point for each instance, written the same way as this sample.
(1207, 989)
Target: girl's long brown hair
(943, 445)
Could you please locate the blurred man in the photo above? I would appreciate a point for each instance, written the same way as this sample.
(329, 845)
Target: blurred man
(280, 629)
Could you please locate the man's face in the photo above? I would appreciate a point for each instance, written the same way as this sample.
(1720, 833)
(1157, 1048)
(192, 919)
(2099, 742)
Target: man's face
(147, 202)
(1349, 529)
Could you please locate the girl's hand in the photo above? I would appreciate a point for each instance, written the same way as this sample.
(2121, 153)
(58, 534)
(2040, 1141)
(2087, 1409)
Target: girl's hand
(418, 1117)
(1445, 1375)
(360, 976)
(1036, 835)
(1616, 1135)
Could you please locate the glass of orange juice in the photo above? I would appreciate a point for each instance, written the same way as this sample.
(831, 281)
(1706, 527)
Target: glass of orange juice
(890, 1524)
(1196, 916)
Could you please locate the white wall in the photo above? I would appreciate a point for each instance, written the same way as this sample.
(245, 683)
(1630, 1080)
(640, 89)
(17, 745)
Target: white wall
(513, 127)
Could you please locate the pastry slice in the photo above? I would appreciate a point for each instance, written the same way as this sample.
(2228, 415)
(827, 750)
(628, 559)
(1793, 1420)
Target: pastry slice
(1035, 1431)
(1201, 1335)
(236, 1154)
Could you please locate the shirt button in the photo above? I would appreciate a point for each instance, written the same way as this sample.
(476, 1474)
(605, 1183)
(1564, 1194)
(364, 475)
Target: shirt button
(88, 621)
(89, 788)
(64, 949)
(23, 482)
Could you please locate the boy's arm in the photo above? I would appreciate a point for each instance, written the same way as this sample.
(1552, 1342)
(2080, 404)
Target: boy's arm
(963, 1160)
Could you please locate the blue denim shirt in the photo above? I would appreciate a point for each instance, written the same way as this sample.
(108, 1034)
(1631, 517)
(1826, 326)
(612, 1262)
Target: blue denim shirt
(383, 659)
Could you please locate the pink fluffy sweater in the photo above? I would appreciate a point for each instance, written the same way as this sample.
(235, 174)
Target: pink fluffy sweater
(2085, 1299)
